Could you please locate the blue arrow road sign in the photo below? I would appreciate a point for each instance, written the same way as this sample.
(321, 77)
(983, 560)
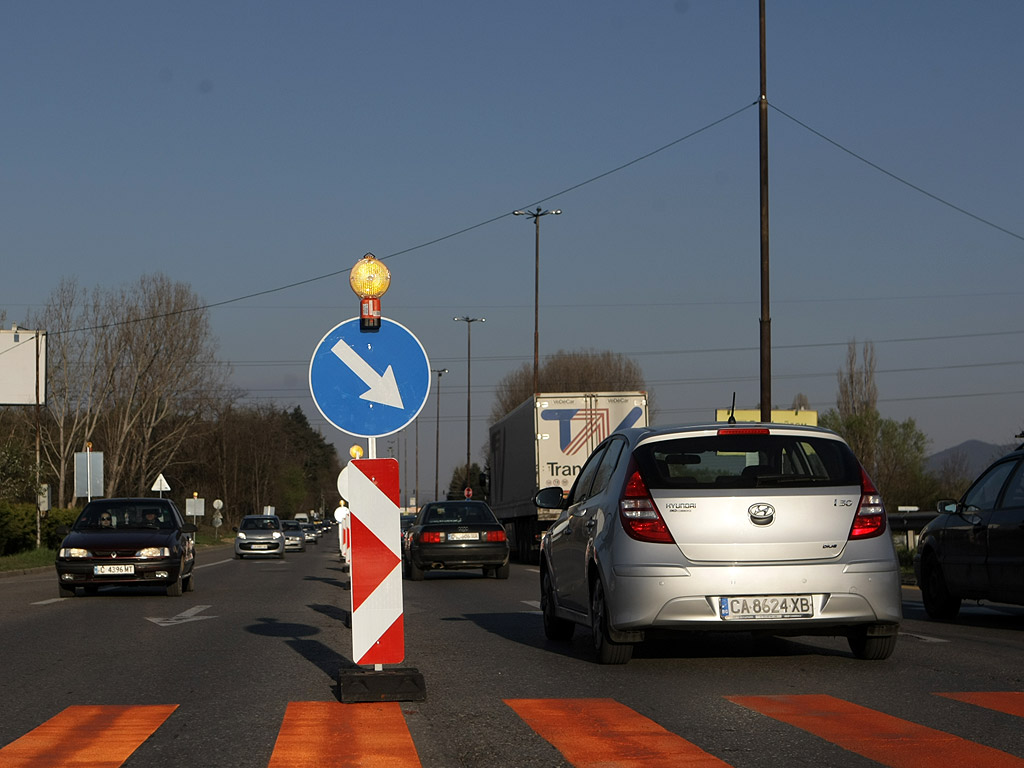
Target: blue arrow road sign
(369, 384)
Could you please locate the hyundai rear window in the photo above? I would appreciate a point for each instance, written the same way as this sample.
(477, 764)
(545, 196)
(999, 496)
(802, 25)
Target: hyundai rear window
(747, 461)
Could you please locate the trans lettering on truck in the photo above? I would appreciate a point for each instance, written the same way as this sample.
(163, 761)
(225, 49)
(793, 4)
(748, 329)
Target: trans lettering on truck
(563, 470)
(591, 426)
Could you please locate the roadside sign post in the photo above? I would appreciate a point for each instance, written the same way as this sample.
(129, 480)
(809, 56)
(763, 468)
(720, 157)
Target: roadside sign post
(195, 507)
(218, 519)
(89, 473)
(161, 485)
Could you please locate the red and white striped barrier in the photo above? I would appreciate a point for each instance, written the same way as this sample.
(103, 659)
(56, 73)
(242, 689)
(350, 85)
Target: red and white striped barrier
(378, 628)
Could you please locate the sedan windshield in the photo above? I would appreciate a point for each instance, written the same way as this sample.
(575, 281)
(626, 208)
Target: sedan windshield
(260, 524)
(124, 516)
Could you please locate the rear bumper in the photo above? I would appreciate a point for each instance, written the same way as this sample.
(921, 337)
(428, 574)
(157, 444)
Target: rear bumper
(458, 556)
(666, 596)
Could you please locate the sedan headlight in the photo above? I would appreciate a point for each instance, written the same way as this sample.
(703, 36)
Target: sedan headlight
(74, 552)
(277, 534)
(153, 552)
(240, 535)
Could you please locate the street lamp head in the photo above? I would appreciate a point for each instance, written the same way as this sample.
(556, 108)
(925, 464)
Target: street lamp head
(538, 213)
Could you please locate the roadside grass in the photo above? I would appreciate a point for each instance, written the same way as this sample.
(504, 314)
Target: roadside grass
(33, 558)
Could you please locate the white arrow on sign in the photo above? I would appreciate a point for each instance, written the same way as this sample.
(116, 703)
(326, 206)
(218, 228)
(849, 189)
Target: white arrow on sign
(382, 389)
(183, 617)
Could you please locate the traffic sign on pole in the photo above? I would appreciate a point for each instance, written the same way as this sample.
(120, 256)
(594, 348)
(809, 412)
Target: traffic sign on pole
(369, 384)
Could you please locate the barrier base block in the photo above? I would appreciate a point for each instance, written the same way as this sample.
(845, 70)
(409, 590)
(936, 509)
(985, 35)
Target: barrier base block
(400, 684)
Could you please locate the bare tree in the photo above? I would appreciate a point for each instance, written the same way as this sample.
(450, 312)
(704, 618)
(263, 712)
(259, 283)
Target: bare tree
(131, 370)
(165, 379)
(77, 383)
(858, 393)
(578, 371)
(857, 404)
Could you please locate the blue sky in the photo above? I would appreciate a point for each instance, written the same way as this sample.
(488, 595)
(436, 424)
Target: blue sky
(245, 146)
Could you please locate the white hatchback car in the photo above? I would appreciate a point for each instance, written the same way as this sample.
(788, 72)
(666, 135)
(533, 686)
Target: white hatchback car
(752, 527)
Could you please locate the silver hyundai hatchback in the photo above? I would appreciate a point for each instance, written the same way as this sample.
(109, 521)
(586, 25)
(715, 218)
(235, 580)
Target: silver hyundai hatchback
(723, 527)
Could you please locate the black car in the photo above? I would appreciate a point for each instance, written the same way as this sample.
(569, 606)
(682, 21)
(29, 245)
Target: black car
(127, 542)
(974, 549)
(455, 535)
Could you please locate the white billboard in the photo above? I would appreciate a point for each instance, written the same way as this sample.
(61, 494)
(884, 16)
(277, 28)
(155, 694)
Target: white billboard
(22, 367)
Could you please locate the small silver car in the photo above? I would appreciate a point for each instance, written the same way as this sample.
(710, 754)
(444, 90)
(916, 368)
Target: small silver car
(294, 537)
(724, 527)
(259, 535)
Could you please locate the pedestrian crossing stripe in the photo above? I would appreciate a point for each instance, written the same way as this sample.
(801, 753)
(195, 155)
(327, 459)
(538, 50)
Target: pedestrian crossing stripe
(876, 735)
(331, 735)
(94, 736)
(604, 732)
(1011, 703)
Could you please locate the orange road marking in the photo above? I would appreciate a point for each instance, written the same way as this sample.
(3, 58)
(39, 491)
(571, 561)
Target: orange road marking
(1010, 702)
(316, 734)
(603, 732)
(86, 736)
(875, 735)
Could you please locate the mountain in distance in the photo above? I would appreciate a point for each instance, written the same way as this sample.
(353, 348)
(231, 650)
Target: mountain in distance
(977, 454)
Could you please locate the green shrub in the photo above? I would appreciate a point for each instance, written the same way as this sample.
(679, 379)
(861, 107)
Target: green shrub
(18, 527)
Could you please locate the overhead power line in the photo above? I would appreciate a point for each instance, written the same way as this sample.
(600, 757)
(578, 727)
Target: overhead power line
(893, 176)
(572, 188)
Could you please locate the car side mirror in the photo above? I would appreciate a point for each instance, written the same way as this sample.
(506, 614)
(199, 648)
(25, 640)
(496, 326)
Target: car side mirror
(946, 506)
(189, 528)
(969, 514)
(550, 498)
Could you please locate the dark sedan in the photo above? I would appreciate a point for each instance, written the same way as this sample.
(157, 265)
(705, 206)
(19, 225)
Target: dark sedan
(455, 535)
(127, 542)
(974, 549)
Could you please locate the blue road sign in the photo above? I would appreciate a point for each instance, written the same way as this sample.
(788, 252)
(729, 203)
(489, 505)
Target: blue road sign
(369, 384)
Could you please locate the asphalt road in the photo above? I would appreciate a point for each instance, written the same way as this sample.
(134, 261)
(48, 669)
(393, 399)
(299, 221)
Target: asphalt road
(248, 664)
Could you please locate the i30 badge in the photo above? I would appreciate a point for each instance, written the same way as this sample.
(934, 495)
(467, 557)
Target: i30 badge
(761, 514)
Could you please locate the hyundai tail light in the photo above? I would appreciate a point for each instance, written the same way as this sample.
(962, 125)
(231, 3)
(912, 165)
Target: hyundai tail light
(870, 518)
(640, 517)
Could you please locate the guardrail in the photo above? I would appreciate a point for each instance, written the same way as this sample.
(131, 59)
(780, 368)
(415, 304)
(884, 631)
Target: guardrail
(910, 523)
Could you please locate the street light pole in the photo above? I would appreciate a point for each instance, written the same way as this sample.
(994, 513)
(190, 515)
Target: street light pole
(535, 215)
(766, 318)
(469, 368)
(437, 433)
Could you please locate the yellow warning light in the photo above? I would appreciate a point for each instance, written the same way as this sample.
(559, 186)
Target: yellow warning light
(369, 278)
(356, 451)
